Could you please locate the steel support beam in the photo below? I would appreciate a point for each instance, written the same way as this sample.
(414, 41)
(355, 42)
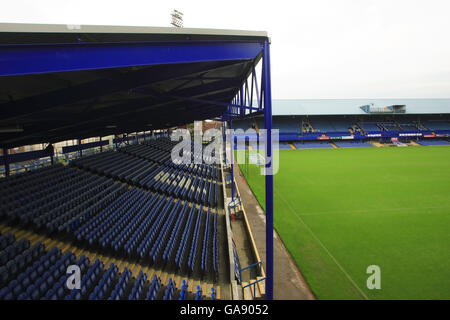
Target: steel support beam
(224, 138)
(232, 160)
(269, 171)
(49, 58)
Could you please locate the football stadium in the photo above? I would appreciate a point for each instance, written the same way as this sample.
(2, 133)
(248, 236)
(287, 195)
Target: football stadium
(366, 186)
(152, 163)
(92, 205)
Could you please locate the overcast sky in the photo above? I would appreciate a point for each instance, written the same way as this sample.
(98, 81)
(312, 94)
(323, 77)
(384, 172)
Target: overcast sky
(320, 48)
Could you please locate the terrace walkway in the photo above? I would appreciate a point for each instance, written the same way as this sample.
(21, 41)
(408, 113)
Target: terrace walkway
(288, 282)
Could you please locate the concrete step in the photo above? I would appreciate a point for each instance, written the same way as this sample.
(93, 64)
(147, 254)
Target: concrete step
(261, 286)
(376, 144)
(247, 292)
(255, 291)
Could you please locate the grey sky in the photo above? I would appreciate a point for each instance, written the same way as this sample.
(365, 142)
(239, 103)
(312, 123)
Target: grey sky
(320, 48)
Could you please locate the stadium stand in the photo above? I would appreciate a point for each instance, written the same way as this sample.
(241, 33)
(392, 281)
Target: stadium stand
(369, 127)
(287, 125)
(436, 125)
(434, 142)
(132, 204)
(306, 131)
(34, 273)
(98, 201)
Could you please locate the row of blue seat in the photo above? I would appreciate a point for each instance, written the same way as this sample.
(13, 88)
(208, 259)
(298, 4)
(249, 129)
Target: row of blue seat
(6, 240)
(38, 277)
(132, 246)
(183, 290)
(73, 193)
(138, 287)
(147, 151)
(119, 290)
(15, 183)
(199, 293)
(46, 278)
(145, 225)
(163, 235)
(160, 150)
(105, 283)
(15, 257)
(179, 258)
(98, 224)
(80, 196)
(194, 245)
(103, 226)
(89, 280)
(116, 165)
(60, 289)
(175, 234)
(164, 179)
(153, 289)
(37, 186)
(170, 290)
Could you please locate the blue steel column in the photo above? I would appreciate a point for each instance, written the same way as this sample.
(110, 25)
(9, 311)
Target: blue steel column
(232, 160)
(6, 160)
(269, 176)
(224, 140)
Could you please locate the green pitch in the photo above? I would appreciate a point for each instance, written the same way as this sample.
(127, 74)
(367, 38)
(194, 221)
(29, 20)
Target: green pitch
(340, 210)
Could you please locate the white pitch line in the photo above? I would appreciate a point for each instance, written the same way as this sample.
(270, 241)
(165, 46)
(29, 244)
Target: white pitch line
(375, 211)
(323, 246)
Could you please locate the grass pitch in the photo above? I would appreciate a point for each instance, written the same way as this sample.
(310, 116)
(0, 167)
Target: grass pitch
(340, 210)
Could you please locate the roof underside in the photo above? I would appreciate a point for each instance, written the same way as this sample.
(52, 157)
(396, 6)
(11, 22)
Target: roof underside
(56, 86)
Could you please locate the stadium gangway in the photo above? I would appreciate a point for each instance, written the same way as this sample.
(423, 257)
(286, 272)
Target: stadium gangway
(235, 205)
(258, 265)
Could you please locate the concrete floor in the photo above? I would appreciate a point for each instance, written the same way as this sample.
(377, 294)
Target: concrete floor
(288, 281)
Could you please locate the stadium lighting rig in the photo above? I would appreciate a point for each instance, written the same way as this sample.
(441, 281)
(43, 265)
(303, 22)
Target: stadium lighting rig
(177, 19)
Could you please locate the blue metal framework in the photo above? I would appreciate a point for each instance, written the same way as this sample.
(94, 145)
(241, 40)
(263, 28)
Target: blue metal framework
(49, 58)
(242, 106)
(60, 86)
(83, 146)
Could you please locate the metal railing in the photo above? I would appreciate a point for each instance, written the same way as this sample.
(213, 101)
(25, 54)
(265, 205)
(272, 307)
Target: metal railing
(254, 286)
(250, 268)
